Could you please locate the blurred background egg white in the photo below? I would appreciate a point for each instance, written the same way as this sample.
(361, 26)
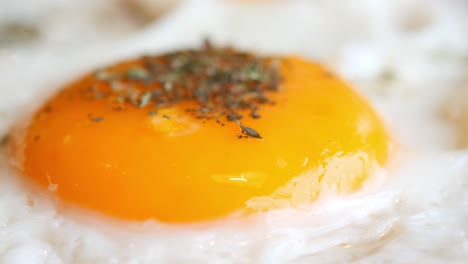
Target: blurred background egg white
(409, 57)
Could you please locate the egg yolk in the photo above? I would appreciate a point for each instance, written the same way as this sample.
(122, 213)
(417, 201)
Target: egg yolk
(172, 166)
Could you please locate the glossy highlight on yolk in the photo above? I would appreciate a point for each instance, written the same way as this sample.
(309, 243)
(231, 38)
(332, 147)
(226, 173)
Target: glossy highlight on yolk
(174, 167)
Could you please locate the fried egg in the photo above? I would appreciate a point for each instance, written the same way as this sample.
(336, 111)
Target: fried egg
(180, 166)
(382, 144)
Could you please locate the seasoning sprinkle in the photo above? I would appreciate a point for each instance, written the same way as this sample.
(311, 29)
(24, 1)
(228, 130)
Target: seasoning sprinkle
(222, 82)
(387, 75)
(254, 114)
(4, 140)
(95, 119)
(139, 74)
(145, 100)
(328, 75)
(98, 95)
(250, 132)
(103, 75)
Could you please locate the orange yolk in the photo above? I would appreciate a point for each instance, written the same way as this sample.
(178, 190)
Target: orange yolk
(180, 169)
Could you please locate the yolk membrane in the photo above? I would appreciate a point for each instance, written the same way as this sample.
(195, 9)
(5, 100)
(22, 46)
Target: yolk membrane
(137, 166)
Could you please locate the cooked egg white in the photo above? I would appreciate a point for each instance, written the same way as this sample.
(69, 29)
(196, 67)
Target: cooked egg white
(413, 210)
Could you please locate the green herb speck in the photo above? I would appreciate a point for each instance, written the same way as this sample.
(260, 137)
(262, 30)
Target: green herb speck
(145, 100)
(137, 73)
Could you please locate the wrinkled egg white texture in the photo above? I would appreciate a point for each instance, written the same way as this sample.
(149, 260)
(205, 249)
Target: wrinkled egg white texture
(410, 58)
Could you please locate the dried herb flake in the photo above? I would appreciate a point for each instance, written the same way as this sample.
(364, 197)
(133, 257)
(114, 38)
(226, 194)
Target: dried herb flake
(250, 132)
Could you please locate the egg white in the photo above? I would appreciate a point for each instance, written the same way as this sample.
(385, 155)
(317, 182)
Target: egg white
(415, 211)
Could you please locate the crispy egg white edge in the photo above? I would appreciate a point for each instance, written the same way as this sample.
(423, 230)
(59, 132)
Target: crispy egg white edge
(419, 213)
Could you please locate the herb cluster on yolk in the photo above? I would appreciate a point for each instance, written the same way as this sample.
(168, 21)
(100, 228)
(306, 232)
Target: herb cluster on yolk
(193, 135)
